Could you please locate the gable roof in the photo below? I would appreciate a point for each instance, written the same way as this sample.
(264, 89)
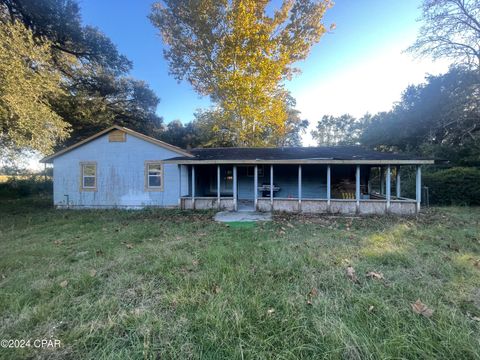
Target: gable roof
(323, 154)
(154, 141)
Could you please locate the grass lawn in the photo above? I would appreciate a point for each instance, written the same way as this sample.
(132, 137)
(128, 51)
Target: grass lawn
(169, 284)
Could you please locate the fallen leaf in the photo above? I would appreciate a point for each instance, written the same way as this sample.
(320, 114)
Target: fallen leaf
(370, 309)
(313, 292)
(58, 242)
(64, 283)
(129, 246)
(421, 309)
(351, 274)
(99, 253)
(476, 263)
(194, 262)
(290, 225)
(178, 238)
(476, 318)
(309, 302)
(93, 272)
(270, 311)
(375, 275)
(216, 289)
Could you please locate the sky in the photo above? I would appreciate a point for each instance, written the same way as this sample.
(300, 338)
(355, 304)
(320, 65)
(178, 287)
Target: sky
(360, 67)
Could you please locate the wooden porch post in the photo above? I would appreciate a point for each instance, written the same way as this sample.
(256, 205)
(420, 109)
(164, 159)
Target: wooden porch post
(382, 181)
(271, 186)
(357, 188)
(397, 183)
(329, 185)
(218, 186)
(180, 186)
(418, 187)
(388, 186)
(299, 187)
(235, 205)
(193, 187)
(255, 187)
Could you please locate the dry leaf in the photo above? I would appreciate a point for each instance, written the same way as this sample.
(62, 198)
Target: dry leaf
(194, 262)
(290, 225)
(99, 253)
(475, 318)
(370, 309)
(58, 242)
(375, 275)
(270, 311)
(313, 292)
(64, 283)
(309, 302)
(216, 289)
(129, 246)
(421, 309)
(93, 272)
(476, 263)
(351, 274)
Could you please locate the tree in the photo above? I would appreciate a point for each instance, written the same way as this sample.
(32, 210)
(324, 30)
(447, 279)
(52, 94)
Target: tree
(440, 117)
(29, 83)
(97, 91)
(337, 130)
(235, 53)
(451, 29)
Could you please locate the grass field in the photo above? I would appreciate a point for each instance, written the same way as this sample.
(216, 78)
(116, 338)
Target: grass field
(166, 284)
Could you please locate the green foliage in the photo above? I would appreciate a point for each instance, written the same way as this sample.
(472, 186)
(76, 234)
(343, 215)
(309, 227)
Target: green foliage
(98, 92)
(29, 84)
(18, 187)
(190, 288)
(455, 186)
(337, 130)
(239, 55)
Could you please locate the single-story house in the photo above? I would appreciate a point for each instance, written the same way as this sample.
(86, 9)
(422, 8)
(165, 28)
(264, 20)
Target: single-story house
(119, 167)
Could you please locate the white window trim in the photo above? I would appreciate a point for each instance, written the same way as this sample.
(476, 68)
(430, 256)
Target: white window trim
(147, 186)
(82, 176)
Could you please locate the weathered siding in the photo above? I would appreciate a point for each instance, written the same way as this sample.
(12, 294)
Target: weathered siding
(120, 175)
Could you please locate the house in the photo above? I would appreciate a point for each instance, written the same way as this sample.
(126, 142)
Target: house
(119, 167)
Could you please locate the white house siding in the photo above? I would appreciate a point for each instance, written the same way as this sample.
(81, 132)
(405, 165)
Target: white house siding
(120, 175)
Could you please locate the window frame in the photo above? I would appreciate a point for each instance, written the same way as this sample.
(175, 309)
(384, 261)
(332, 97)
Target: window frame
(82, 176)
(147, 175)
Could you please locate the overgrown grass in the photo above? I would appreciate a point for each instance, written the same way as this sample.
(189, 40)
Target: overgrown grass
(167, 284)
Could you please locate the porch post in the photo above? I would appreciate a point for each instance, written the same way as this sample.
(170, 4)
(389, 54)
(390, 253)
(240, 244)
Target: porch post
(218, 186)
(418, 187)
(255, 187)
(235, 187)
(382, 181)
(193, 187)
(329, 183)
(388, 185)
(398, 183)
(299, 187)
(357, 188)
(180, 186)
(271, 186)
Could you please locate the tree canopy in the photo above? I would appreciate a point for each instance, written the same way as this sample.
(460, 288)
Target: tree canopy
(97, 91)
(237, 54)
(450, 29)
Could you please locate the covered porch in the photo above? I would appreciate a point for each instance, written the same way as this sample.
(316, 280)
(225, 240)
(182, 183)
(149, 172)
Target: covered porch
(306, 187)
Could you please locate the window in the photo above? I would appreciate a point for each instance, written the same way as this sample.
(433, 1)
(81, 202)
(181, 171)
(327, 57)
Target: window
(154, 176)
(88, 176)
(117, 136)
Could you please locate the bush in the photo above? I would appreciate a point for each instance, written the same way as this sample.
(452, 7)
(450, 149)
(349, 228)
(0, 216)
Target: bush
(16, 187)
(454, 186)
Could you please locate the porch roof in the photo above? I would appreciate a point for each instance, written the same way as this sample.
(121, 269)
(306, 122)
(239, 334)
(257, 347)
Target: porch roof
(297, 155)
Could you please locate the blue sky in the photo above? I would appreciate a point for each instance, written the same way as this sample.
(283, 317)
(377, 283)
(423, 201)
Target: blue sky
(360, 67)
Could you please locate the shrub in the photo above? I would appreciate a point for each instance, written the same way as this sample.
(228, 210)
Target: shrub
(454, 186)
(16, 187)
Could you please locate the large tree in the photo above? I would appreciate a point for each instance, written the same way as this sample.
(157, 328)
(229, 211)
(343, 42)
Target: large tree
(450, 29)
(440, 117)
(239, 55)
(337, 130)
(98, 92)
(29, 83)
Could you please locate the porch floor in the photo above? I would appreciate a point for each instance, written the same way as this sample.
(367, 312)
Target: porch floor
(242, 216)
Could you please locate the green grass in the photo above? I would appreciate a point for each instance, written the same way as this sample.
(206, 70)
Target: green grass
(172, 284)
